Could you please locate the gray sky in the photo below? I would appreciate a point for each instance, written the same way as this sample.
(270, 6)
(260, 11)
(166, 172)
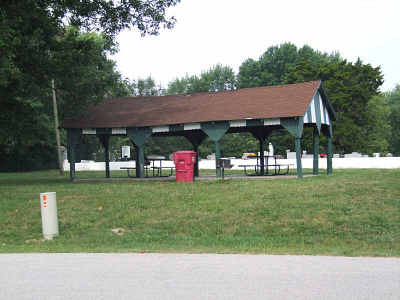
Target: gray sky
(230, 31)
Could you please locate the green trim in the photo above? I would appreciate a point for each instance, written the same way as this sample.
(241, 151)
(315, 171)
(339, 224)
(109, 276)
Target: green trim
(293, 125)
(73, 135)
(176, 127)
(255, 122)
(139, 135)
(318, 110)
(327, 102)
(215, 130)
(309, 114)
(316, 151)
(104, 131)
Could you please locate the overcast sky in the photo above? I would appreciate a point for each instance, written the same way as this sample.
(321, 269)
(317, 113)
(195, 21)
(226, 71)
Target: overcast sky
(228, 32)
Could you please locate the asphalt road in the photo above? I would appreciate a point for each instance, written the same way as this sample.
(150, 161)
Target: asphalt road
(186, 276)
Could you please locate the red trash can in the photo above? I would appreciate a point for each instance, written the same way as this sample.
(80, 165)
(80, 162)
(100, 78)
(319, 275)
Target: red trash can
(184, 165)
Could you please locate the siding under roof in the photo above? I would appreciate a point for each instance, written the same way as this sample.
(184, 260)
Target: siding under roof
(255, 103)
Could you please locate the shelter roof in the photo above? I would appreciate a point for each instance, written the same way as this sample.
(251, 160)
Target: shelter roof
(251, 103)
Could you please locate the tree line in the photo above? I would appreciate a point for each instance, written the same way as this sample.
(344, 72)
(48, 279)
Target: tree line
(70, 42)
(368, 119)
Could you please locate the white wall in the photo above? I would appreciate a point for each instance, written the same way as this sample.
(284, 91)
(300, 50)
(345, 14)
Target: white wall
(337, 163)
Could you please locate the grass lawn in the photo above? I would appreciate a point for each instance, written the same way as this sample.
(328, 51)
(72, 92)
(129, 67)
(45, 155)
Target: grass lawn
(350, 213)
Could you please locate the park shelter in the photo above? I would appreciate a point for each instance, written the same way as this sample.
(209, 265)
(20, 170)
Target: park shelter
(258, 110)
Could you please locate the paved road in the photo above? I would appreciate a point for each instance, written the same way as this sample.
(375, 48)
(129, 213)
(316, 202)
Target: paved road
(176, 276)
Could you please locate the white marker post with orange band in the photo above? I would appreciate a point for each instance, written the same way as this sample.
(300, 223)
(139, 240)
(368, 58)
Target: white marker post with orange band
(48, 204)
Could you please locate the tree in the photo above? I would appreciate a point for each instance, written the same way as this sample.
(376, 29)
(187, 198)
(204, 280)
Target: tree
(30, 29)
(147, 87)
(378, 130)
(217, 78)
(36, 46)
(277, 62)
(392, 100)
(82, 73)
(350, 86)
(249, 74)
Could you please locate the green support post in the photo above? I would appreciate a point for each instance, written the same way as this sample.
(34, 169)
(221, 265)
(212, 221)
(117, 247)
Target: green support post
(316, 151)
(72, 137)
(295, 127)
(298, 158)
(137, 162)
(141, 162)
(215, 130)
(196, 165)
(107, 157)
(217, 157)
(71, 159)
(329, 154)
(105, 141)
(139, 136)
(196, 138)
(262, 160)
(261, 133)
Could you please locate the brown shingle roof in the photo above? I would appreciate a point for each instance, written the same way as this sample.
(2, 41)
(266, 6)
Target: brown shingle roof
(256, 103)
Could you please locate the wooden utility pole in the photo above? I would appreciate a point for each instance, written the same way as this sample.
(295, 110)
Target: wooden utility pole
(60, 160)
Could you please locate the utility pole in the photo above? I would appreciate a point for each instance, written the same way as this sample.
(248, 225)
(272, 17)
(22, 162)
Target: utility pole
(60, 160)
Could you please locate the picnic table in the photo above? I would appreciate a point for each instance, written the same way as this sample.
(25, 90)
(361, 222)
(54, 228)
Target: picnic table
(150, 165)
(269, 161)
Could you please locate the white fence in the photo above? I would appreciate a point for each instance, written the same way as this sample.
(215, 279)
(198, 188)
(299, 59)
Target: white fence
(307, 163)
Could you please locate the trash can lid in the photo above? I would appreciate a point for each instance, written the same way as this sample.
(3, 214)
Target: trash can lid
(185, 152)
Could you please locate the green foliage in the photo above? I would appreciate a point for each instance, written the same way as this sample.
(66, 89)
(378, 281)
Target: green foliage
(378, 130)
(217, 78)
(37, 45)
(137, 88)
(276, 63)
(351, 88)
(82, 73)
(236, 144)
(392, 100)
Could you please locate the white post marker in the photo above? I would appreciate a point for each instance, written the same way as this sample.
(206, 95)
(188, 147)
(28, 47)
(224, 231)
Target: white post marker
(48, 204)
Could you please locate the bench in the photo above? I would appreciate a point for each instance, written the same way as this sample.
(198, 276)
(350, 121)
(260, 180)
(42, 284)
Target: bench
(147, 167)
(127, 169)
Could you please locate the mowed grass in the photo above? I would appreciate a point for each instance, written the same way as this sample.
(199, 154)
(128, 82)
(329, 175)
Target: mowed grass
(350, 213)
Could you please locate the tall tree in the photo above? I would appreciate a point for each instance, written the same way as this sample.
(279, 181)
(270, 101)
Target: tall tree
(82, 74)
(36, 47)
(351, 86)
(392, 100)
(217, 78)
(276, 63)
(378, 130)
